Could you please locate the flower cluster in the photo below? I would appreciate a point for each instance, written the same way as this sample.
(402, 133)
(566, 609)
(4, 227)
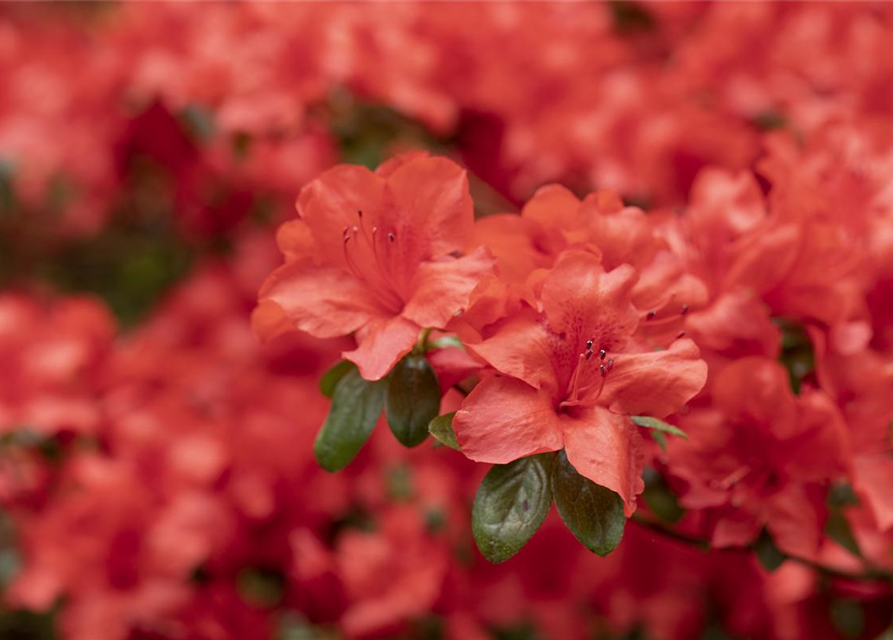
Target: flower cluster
(310, 314)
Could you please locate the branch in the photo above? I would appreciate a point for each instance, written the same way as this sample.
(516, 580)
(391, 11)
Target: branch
(871, 574)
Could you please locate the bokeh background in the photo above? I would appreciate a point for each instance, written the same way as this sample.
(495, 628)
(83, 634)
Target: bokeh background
(156, 472)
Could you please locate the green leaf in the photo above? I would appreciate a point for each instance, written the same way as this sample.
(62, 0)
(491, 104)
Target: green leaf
(442, 430)
(838, 529)
(511, 504)
(660, 500)
(658, 425)
(412, 400)
(848, 617)
(593, 513)
(330, 378)
(767, 553)
(660, 439)
(356, 407)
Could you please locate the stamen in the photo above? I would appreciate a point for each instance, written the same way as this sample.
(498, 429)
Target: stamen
(575, 378)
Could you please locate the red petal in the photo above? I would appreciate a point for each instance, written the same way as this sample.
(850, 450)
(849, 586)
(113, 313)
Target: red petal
(874, 477)
(794, 517)
(553, 206)
(323, 301)
(430, 209)
(584, 302)
(607, 449)
(330, 204)
(442, 288)
(380, 344)
(657, 383)
(756, 389)
(521, 348)
(504, 419)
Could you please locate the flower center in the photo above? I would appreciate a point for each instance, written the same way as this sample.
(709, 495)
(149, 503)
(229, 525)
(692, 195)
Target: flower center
(368, 254)
(588, 381)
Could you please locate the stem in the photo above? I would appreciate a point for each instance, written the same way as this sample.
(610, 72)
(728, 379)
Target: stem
(871, 574)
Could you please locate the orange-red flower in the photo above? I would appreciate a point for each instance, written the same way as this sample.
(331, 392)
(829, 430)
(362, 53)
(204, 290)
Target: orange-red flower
(571, 373)
(759, 457)
(376, 254)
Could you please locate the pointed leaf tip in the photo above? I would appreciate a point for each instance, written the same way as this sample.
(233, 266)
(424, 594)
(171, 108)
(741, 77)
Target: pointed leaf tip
(356, 407)
(593, 513)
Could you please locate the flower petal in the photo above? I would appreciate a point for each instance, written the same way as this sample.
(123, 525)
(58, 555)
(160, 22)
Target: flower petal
(607, 449)
(504, 419)
(331, 203)
(757, 389)
(442, 288)
(657, 383)
(874, 477)
(380, 344)
(553, 206)
(430, 208)
(323, 301)
(521, 348)
(584, 302)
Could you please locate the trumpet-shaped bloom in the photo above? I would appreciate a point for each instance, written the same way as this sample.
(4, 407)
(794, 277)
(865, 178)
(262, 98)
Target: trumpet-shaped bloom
(568, 376)
(760, 457)
(379, 255)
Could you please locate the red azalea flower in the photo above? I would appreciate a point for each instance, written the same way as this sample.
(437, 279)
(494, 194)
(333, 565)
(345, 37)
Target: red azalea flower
(759, 457)
(572, 372)
(375, 254)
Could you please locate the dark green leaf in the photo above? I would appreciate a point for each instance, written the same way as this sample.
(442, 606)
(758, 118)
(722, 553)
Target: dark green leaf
(658, 425)
(331, 377)
(356, 407)
(841, 494)
(511, 504)
(593, 513)
(660, 500)
(413, 399)
(398, 480)
(767, 553)
(260, 586)
(769, 120)
(848, 618)
(838, 529)
(442, 430)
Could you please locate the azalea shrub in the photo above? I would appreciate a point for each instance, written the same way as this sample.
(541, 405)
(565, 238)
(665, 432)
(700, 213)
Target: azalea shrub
(310, 314)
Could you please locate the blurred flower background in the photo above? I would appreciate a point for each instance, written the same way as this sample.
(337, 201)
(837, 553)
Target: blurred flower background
(156, 467)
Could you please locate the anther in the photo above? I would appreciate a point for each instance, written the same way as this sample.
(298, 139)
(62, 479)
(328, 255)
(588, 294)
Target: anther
(360, 213)
(602, 354)
(680, 334)
(588, 354)
(391, 237)
(684, 309)
(589, 345)
(602, 370)
(651, 315)
(609, 365)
